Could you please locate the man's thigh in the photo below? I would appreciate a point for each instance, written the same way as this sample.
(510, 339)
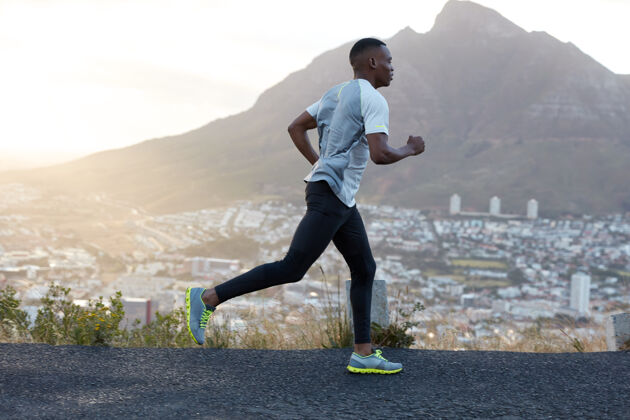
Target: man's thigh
(351, 238)
(314, 233)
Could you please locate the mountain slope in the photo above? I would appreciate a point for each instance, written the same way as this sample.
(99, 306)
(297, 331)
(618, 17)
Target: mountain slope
(503, 112)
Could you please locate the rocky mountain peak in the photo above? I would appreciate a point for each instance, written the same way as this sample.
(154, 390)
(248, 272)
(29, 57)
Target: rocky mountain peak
(465, 16)
(504, 112)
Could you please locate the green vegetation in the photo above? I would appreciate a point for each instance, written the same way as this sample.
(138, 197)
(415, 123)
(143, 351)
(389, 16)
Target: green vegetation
(395, 334)
(482, 283)
(13, 321)
(163, 331)
(477, 263)
(59, 321)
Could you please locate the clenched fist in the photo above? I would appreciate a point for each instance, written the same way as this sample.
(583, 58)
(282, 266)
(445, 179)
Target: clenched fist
(416, 144)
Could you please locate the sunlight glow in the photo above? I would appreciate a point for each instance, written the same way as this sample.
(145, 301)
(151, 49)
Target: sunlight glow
(79, 77)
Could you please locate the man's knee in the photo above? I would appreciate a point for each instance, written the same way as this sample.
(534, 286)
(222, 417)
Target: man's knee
(371, 267)
(295, 265)
(362, 266)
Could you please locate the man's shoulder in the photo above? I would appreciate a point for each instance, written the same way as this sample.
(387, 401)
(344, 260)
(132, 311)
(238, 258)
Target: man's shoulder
(338, 88)
(372, 99)
(368, 91)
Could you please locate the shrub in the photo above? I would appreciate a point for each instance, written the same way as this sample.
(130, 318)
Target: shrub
(99, 324)
(395, 334)
(13, 321)
(167, 330)
(56, 320)
(59, 321)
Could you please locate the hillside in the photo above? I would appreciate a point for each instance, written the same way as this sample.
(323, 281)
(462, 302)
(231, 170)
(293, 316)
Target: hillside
(503, 112)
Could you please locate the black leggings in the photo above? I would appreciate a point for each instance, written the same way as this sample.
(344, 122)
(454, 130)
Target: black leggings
(326, 219)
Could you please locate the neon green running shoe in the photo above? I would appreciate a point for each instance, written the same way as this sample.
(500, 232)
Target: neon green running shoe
(374, 363)
(197, 314)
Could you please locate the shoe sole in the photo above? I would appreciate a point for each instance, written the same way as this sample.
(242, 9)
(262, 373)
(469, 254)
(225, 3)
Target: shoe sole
(364, 370)
(188, 315)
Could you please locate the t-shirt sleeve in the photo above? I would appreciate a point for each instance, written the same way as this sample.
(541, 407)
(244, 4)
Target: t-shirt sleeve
(313, 109)
(375, 113)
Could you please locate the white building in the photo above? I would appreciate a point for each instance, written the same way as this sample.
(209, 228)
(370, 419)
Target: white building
(455, 289)
(455, 205)
(532, 209)
(580, 292)
(136, 308)
(509, 292)
(495, 206)
(203, 267)
(468, 300)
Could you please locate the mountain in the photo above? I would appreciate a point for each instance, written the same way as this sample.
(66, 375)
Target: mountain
(503, 112)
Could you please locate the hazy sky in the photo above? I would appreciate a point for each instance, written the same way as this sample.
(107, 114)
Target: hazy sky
(78, 76)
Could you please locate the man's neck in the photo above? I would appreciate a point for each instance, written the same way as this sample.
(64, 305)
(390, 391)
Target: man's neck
(367, 77)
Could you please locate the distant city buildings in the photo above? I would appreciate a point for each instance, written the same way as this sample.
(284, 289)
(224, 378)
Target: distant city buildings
(455, 204)
(136, 308)
(532, 209)
(509, 266)
(495, 206)
(455, 208)
(204, 267)
(249, 219)
(500, 306)
(467, 300)
(580, 292)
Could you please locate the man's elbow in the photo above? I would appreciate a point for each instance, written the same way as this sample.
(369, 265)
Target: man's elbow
(295, 128)
(378, 158)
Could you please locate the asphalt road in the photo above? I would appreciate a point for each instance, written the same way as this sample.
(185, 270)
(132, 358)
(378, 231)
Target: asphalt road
(38, 380)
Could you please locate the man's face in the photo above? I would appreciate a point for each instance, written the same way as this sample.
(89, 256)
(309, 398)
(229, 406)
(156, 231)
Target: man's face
(384, 68)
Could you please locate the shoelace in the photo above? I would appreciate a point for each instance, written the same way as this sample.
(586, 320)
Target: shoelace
(204, 318)
(378, 354)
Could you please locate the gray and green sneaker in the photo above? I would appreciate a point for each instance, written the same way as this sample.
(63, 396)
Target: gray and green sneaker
(197, 314)
(374, 363)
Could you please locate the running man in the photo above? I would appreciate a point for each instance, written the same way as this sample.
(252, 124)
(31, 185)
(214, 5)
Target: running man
(352, 120)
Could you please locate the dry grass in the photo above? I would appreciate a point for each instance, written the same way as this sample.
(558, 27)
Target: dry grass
(535, 339)
(308, 331)
(10, 333)
(263, 332)
(311, 328)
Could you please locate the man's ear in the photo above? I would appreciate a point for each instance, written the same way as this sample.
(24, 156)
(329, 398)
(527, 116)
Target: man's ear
(372, 62)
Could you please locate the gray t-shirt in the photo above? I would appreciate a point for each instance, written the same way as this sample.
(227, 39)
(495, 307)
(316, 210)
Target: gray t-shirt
(345, 115)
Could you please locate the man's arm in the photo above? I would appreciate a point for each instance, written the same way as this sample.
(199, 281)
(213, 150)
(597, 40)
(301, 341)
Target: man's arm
(382, 153)
(297, 131)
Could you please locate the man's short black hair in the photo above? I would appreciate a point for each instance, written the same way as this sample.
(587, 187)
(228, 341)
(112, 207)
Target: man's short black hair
(363, 45)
